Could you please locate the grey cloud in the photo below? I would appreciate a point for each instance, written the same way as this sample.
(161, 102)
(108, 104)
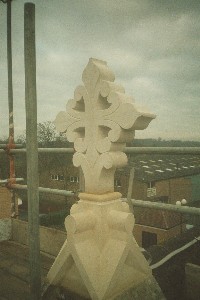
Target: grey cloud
(152, 46)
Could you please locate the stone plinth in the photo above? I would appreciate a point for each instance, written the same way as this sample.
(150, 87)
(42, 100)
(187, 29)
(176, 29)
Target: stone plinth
(100, 258)
(5, 214)
(5, 229)
(5, 203)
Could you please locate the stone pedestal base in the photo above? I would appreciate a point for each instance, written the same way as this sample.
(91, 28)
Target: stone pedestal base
(100, 259)
(147, 290)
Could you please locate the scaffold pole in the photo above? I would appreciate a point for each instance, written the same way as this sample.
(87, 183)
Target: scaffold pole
(32, 150)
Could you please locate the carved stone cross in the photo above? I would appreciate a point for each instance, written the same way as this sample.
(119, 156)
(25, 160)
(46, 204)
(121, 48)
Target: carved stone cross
(100, 120)
(100, 258)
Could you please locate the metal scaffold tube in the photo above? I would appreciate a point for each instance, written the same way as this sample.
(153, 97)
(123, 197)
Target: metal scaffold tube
(4, 146)
(11, 143)
(9, 181)
(10, 85)
(44, 190)
(128, 150)
(32, 150)
(170, 207)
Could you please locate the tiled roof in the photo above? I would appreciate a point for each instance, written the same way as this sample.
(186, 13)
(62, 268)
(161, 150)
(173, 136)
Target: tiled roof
(157, 218)
(160, 167)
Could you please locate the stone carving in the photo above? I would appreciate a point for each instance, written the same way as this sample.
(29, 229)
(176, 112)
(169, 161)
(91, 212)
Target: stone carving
(100, 258)
(100, 120)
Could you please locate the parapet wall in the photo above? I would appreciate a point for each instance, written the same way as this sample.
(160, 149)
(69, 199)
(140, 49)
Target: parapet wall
(51, 240)
(5, 203)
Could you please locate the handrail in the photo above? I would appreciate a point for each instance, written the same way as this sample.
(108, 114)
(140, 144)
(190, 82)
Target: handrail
(44, 190)
(10, 180)
(3, 146)
(164, 206)
(128, 150)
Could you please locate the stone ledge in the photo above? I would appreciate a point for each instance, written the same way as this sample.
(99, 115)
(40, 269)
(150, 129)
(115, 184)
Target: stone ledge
(51, 240)
(5, 229)
(192, 273)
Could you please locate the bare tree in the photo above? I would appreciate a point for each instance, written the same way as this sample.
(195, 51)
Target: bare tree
(46, 132)
(21, 139)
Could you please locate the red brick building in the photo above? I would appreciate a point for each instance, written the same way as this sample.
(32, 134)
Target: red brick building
(167, 190)
(164, 180)
(153, 226)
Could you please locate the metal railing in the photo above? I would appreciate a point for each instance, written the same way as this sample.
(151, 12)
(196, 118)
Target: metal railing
(44, 190)
(170, 207)
(128, 150)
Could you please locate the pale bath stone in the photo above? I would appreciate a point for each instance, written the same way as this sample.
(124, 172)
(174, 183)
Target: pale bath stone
(100, 120)
(100, 259)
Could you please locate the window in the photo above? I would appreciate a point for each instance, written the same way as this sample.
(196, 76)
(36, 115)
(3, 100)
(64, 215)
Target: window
(74, 179)
(118, 183)
(61, 177)
(54, 177)
(57, 177)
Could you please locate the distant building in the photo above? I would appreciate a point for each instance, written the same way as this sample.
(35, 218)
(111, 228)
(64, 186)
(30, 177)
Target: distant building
(159, 178)
(164, 179)
(154, 226)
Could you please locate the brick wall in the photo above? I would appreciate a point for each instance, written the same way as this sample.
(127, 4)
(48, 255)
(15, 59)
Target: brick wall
(162, 234)
(52, 202)
(162, 188)
(180, 188)
(5, 203)
(174, 189)
(139, 188)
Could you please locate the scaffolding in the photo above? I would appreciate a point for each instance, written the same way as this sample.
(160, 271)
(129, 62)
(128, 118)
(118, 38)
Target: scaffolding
(31, 151)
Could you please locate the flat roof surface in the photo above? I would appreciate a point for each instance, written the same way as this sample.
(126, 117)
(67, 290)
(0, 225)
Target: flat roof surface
(151, 167)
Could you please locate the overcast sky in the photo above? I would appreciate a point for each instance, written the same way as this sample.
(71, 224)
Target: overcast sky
(153, 47)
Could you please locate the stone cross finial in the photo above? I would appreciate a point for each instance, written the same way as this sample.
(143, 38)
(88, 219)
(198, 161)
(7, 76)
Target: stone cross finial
(100, 258)
(100, 120)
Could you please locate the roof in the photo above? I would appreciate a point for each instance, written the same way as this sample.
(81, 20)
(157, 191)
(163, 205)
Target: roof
(157, 218)
(159, 167)
(171, 274)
